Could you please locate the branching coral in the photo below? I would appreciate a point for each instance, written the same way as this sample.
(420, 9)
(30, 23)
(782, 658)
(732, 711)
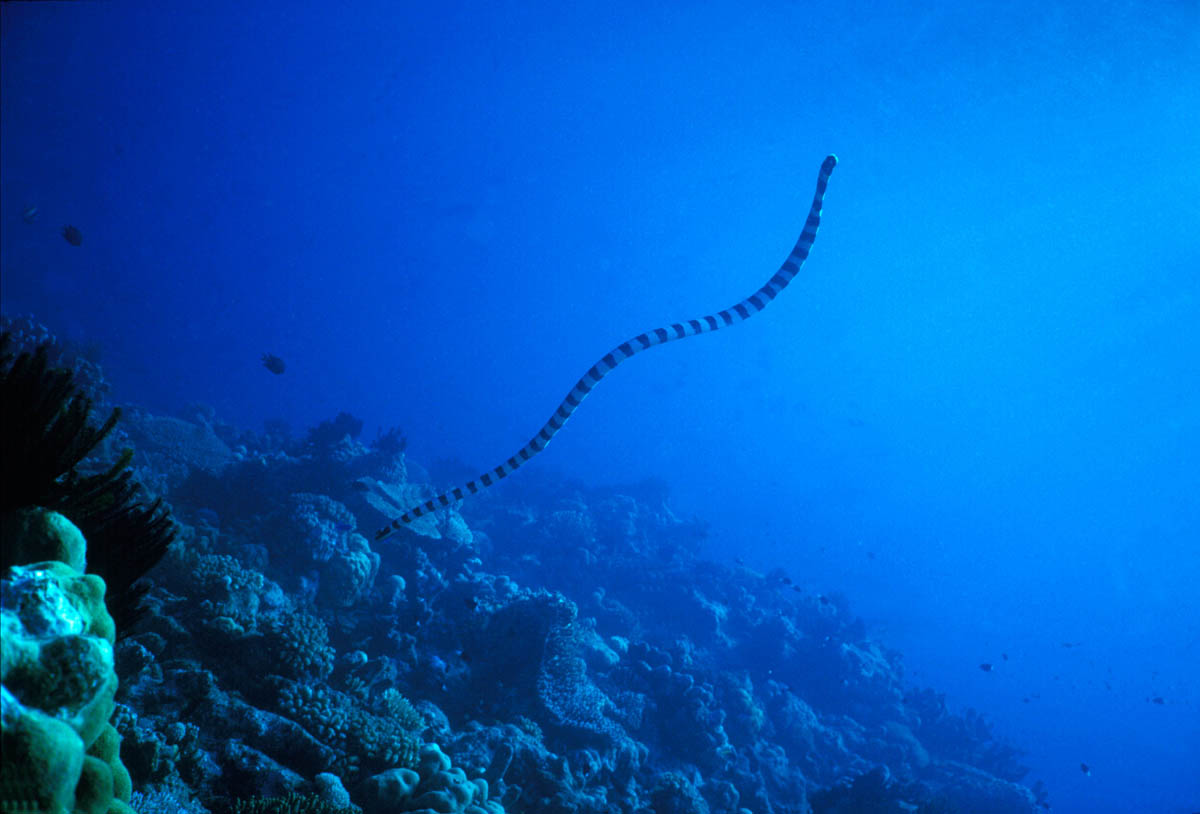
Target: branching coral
(291, 804)
(369, 742)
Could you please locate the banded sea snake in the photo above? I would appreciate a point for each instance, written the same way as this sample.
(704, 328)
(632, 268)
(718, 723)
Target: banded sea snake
(659, 336)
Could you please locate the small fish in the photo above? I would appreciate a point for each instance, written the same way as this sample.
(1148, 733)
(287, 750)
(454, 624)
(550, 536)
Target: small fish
(787, 580)
(1083, 767)
(870, 555)
(271, 362)
(1071, 644)
(1004, 656)
(29, 215)
(360, 486)
(72, 235)
(986, 667)
(1158, 699)
(471, 602)
(344, 526)
(797, 589)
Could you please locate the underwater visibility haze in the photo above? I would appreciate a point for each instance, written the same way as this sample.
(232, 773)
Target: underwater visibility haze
(922, 535)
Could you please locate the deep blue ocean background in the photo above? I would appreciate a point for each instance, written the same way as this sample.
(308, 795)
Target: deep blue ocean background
(976, 412)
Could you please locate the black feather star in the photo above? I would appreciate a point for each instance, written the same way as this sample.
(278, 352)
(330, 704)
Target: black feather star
(44, 436)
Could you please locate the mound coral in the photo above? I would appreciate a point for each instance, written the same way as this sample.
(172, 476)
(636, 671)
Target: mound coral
(433, 786)
(57, 681)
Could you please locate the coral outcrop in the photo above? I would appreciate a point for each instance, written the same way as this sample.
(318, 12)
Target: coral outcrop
(567, 653)
(57, 678)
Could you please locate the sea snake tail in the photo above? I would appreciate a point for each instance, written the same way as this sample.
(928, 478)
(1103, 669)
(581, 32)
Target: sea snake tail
(659, 336)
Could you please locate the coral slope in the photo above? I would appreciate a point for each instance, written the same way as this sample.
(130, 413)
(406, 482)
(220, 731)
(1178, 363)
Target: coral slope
(568, 655)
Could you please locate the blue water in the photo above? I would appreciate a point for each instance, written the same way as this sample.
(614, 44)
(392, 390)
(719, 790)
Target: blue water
(976, 412)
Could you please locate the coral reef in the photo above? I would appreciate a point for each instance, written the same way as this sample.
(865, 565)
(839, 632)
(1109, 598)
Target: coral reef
(569, 655)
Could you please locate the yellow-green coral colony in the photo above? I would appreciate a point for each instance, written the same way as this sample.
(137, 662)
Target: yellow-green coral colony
(57, 681)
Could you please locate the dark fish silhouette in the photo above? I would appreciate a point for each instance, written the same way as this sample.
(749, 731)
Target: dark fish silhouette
(30, 213)
(986, 667)
(272, 363)
(72, 235)
(1158, 699)
(1083, 767)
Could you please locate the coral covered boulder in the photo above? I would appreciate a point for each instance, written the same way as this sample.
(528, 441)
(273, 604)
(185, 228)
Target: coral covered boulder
(57, 681)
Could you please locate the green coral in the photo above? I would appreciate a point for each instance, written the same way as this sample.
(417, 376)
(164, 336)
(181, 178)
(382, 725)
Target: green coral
(57, 684)
(36, 535)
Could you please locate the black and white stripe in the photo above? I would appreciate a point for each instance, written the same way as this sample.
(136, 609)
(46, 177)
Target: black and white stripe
(659, 336)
